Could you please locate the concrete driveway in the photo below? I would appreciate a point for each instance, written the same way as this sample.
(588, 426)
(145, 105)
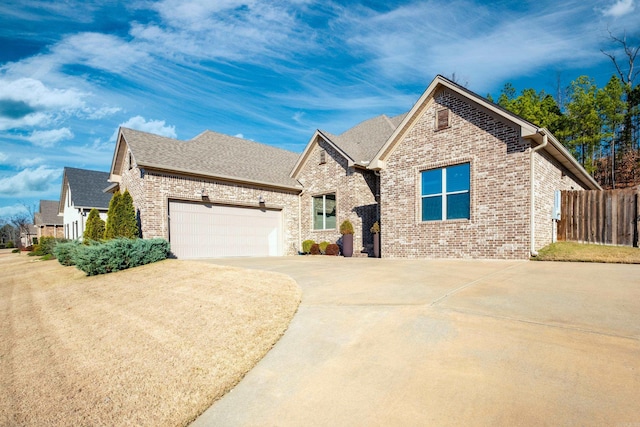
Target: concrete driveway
(422, 342)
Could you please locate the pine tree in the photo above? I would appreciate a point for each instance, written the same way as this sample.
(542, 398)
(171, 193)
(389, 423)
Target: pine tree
(128, 225)
(112, 216)
(95, 226)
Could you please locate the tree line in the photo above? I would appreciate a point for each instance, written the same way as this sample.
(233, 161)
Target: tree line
(600, 126)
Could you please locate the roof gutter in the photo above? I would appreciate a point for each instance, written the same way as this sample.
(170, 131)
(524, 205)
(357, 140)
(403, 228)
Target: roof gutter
(532, 221)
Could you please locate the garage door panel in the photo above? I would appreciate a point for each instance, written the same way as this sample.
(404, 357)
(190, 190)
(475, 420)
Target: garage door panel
(199, 230)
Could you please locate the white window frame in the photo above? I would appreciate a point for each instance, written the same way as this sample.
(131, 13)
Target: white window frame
(444, 194)
(324, 211)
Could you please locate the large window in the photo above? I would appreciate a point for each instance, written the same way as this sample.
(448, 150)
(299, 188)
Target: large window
(445, 193)
(324, 212)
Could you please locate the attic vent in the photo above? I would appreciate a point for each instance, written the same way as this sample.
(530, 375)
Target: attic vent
(130, 161)
(442, 119)
(323, 157)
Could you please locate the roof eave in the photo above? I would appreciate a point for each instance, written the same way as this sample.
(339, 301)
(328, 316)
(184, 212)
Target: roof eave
(377, 162)
(307, 151)
(564, 157)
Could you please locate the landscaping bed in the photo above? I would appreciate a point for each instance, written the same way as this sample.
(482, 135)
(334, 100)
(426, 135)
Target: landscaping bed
(154, 345)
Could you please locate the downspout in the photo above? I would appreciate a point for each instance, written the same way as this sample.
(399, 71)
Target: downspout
(532, 222)
(299, 249)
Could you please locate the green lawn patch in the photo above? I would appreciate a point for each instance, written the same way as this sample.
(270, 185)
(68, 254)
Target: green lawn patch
(583, 252)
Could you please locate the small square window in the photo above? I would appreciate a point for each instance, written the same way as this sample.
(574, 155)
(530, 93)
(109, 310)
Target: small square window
(323, 157)
(442, 119)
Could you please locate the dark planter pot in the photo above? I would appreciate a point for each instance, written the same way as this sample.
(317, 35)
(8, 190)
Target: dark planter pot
(347, 245)
(376, 245)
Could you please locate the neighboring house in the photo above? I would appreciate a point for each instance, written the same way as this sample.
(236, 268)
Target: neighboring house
(456, 176)
(47, 221)
(82, 190)
(27, 234)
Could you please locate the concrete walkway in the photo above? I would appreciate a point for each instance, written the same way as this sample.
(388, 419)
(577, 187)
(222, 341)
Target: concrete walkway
(419, 342)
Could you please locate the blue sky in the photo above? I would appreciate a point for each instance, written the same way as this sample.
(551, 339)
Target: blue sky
(71, 72)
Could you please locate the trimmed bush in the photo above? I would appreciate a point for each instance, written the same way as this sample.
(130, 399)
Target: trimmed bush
(95, 227)
(66, 252)
(15, 251)
(120, 254)
(332, 249)
(315, 249)
(306, 246)
(346, 227)
(10, 244)
(323, 246)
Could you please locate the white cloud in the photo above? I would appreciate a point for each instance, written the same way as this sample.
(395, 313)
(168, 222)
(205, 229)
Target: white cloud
(3, 158)
(157, 127)
(100, 51)
(30, 161)
(239, 135)
(412, 43)
(29, 181)
(619, 8)
(99, 113)
(237, 30)
(49, 138)
(27, 102)
(9, 211)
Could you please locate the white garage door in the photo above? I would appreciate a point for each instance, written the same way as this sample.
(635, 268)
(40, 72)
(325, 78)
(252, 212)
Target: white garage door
(198, 230)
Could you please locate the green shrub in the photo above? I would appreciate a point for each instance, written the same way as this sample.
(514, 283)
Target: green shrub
(332, 249)
(121, 217)
(315, 249)
(323, 246)
(306, 246)
(346, 227)
(15, 251)
(120, 254)
(10, 244)
(46, 246)
(95, 227)
(66, 252)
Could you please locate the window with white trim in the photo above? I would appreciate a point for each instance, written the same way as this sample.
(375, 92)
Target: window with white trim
(324, 212)
(445, 193)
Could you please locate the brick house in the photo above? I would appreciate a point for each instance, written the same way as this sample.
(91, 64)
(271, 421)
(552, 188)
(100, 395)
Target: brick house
(82, 190)
(47, 221)
(215, 195)
(456, 176)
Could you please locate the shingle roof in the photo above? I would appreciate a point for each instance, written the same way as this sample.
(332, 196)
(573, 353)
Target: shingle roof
(214, 154)
(48, 214)
(86, 187)
(363, 141)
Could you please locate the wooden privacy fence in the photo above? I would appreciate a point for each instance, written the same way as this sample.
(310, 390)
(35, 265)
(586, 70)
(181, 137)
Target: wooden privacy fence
(607, 217)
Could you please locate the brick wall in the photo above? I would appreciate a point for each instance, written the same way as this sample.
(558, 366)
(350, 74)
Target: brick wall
(549, 176)
(152, 190)
(355, 191)
(499, 190)
(50, 231)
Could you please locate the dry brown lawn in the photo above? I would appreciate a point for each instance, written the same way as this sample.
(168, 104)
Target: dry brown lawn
(154, 345)
(584, 252)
